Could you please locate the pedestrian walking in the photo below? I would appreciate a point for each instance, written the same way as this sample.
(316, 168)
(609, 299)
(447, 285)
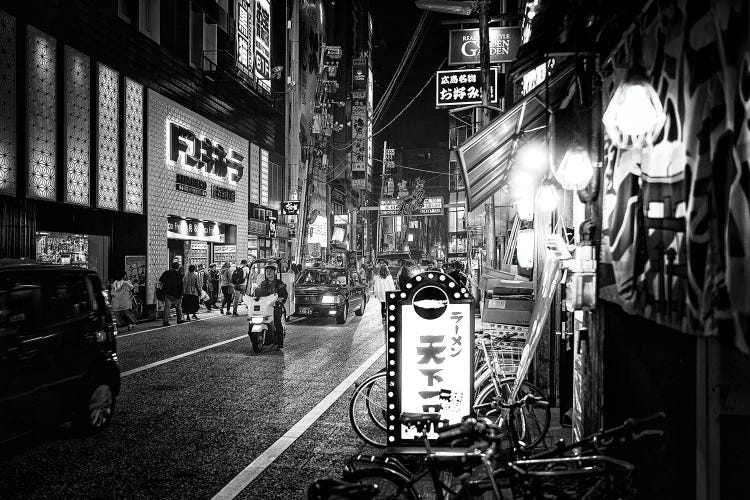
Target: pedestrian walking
(369, 275)
(121, 295)
(403, 277)
(171, 287)
(383, 283)
(240, 283)
(212, 285)
(457, 273)
(191, 293)
(225, 283)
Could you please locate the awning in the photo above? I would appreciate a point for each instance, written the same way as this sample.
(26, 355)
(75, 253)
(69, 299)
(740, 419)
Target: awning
(484, 157)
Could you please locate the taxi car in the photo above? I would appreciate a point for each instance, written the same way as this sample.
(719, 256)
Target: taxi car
(329, 291)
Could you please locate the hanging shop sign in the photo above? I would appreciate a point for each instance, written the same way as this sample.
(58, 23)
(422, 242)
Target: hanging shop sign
(359, 74)
(333, 52)
(339, 219)
(262, 49)
(463, 45)
(359, 183)
(195, 229)
(272, 226)
(205, 156)
(460, 87)
(430, 359)
(191, 185)
(313, 250)
(395, 206)
(290, 207)
(221, 193)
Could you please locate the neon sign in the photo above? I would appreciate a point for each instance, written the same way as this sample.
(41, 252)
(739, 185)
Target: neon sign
(202, 155)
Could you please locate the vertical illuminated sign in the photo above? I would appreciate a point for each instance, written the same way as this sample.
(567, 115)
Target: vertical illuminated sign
(262, 49)
(430, 355)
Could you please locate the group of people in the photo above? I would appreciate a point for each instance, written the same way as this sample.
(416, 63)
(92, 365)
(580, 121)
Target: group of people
(186, 291)
(383, 282)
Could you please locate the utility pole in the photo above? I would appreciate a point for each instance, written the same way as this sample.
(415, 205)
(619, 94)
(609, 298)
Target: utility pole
(484, 61)
(382, 190)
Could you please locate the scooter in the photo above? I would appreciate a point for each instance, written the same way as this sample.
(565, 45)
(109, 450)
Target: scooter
(261, 328)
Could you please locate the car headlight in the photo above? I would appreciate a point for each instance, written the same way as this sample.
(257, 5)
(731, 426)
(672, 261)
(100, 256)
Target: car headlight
(328, 299)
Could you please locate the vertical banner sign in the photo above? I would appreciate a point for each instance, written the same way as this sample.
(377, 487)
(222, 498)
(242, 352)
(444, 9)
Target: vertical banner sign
(245, 35)
(359, 73)
(254, 177)
(430, 356)
(263, 43)
(359, 138)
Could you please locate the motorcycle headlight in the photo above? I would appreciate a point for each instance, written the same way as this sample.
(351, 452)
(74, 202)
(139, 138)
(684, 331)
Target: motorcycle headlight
(257, 320)
(328, 299)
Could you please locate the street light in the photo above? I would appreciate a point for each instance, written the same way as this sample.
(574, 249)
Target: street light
(547, 197)
(575, 170)
(447, 6)
(635, 114)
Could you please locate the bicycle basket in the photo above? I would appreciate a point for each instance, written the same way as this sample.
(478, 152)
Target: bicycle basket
(505, 356)
(593, 478)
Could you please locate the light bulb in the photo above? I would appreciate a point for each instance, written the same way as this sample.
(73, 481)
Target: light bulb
(634, 115)
(533, 157)
(575, 170)
(525, 208)
(547, 197)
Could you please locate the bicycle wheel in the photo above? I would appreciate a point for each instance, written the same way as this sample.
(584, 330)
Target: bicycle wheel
(390, 483)
(532, 422)
(367, 410)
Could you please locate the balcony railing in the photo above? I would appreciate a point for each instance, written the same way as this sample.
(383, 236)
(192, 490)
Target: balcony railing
(221, 66)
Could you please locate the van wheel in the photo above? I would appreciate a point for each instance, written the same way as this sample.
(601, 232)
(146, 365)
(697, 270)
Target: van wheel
(96, 408)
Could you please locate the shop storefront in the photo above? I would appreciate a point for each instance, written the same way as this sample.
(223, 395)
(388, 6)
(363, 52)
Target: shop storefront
(197, 198)
(259, 245)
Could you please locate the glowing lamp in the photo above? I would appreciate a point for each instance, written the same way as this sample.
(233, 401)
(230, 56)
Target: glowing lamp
(575, 170)
(525, 208)
(525, 248)
(522, 183)
(634, 115)
(547, 197)
(532, 156)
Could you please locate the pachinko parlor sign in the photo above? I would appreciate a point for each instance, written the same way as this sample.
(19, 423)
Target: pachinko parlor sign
(203, 155)
(430, 326)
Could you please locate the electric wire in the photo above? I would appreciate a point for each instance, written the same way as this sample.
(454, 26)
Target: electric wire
(408, 54)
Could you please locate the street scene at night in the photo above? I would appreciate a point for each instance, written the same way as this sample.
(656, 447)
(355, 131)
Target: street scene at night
(374, 249)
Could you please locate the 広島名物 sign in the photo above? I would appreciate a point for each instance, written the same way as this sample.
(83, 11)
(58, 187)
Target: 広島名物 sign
(459, 87)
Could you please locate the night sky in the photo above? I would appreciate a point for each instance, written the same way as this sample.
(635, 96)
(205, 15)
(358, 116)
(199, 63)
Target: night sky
(394, 22)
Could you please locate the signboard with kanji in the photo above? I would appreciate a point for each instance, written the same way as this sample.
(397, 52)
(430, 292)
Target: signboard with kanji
(430, 355)
(290, 207)
(463, 45)
(395, 206)
(459, 87)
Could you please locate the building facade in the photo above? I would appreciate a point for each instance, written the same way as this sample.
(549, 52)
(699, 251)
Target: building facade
(127, 125)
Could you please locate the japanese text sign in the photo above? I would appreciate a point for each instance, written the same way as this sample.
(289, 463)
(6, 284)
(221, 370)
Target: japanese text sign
(430, 326)
(290, 207)
(460, 87)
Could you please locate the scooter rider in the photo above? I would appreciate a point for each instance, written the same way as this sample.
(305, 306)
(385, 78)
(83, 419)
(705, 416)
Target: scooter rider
(269, 286)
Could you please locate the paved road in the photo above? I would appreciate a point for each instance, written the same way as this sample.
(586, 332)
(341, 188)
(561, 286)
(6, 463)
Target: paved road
(198, 406)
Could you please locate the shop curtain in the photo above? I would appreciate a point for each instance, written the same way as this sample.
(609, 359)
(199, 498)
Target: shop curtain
(17, 229)
(677, 215)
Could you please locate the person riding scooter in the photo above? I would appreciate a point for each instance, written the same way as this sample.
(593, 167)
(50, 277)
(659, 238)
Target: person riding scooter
(269, 286)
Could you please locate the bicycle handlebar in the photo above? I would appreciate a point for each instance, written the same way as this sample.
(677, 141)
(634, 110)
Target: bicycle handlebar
(470, 428)
(528, 399)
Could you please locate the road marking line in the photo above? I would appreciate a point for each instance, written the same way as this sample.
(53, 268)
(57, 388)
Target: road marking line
(123, 335)
(180, 356)
(257, 466)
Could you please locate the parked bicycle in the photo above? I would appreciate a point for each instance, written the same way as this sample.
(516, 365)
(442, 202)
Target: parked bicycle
(482, 469)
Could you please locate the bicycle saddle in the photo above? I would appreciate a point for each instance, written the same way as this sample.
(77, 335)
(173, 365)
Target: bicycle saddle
(419, 418)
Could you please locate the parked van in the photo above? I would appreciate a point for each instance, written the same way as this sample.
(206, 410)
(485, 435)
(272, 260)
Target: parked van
(58, 357)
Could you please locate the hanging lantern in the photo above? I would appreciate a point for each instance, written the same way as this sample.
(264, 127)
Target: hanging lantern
(525, 208)
(635, 114)
(525, 248)
(575, 170)
(547, 197)
(532, 157)
(522, 183)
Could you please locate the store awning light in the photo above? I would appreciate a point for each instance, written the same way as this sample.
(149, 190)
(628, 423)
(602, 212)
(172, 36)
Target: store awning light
(635, 115)
(575, 170)
(547, 197)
